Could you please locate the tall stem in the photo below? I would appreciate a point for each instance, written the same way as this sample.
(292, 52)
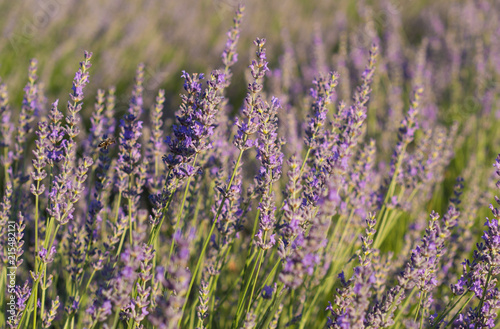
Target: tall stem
(179, 217)
(207, 240)
(485, 290)
(259, 261)
(460, 310)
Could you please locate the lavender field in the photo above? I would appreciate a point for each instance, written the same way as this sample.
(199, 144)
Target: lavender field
(269, 164)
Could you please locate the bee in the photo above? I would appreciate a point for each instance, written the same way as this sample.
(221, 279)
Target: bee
(107, 142)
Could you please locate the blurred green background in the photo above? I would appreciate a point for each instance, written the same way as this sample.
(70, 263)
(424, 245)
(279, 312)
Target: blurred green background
(168, 36)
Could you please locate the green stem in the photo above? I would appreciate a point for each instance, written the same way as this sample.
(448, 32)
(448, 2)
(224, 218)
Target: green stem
(422, 319)
(3, 277)
(459, 311)
(35, 285)
(120, 246)
(179, 217)
(90, 280)
(405, 305)
(393, 305)
(193, 276)
(212, 287)
(273, 271)
(304, 161)
(236, 282)
(418, 306)
(249, 259)
(290, 306)
(32, 298)
(447, 310)
(214, 280)
(207, 240)
(6, 167)
(326, 278)
(156, 228)
(389, 194)
(44, 288)
(305, 316)
(36, 224)
(268, 316)
(259, 261)
(35, 306)
(485, 290)
(241, 302)
(94, 322)
(251, 252)
(130, 221)
(117, 208)
(66, 323)
(115, 320)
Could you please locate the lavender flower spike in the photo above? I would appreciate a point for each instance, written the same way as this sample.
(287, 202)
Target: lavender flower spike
(480, 275)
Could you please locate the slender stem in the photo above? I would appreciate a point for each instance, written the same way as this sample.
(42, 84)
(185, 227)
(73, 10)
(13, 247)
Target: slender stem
(3, 276)
(36, 252)
(32, 298)
(459, 311)
(388, 225)
(6, 167)
(278, 297)
(44, 288)
(36, 223)
(447, 310)
(255, 224)
(241, 302)
(309, 310)
(115, 320)
(393, 305)
(35, 306)
(273, 271)
(422, 319)
(407, 301)
(212, 288)
(207, 240)
(250, 256)
(237, 281)
(342, 236)
(179, 217)
(95, 320)
(120, 246)
(257, 311)
(418, 306)
(66, 323)
(485, 290)
(118, 201)
(156, 228)
(390, 192)
(259, 261)
(214, 280)
(194, 274)
(90, 280)
(130, 221)
(251, 251)
(304, 161)
(153, 271)
(37, 281)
